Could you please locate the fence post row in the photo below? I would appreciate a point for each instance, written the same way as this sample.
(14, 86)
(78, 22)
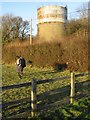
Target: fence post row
(33, 85)
(72, 94)
(34, 93)
(33, 98)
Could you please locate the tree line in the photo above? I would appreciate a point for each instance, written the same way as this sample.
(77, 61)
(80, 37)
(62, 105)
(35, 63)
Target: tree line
(14, 27)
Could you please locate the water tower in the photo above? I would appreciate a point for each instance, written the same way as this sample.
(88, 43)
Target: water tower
(51, 22)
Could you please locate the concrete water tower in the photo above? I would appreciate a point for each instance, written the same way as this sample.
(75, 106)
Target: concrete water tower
(51, 23)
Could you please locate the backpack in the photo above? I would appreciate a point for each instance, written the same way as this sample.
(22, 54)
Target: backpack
(22, 62)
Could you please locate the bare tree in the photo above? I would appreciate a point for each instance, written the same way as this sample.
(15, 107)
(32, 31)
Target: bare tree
(83, 10)
(6, 27)
(13, 27)
(24, 29)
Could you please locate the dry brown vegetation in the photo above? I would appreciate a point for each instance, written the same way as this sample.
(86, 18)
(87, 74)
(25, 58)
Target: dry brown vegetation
(73, 49)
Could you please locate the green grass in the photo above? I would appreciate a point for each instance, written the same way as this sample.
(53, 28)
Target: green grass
(77, 111)
(9, 77)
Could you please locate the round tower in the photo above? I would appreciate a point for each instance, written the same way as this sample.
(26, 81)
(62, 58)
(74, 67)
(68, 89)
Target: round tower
(51, 23)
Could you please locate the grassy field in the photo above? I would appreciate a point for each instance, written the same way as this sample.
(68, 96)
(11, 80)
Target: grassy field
(77, 111)
(9, 77)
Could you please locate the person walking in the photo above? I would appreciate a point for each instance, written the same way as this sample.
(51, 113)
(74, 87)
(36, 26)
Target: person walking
(20, 64)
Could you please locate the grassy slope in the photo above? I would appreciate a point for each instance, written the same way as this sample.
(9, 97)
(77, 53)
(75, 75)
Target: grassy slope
(9, 76)
(77, 111)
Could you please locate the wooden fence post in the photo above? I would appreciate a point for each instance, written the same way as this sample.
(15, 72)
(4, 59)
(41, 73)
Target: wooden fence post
(33, 98)
(72, 94)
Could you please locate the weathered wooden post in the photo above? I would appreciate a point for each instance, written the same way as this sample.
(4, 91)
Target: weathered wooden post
(33, 97)
(72, 94)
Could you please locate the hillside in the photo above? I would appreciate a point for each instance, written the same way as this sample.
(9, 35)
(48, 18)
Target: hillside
(72, 49)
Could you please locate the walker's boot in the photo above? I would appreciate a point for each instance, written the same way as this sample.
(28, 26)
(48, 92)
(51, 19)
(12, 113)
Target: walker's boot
(19, 76)
(22, 73)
